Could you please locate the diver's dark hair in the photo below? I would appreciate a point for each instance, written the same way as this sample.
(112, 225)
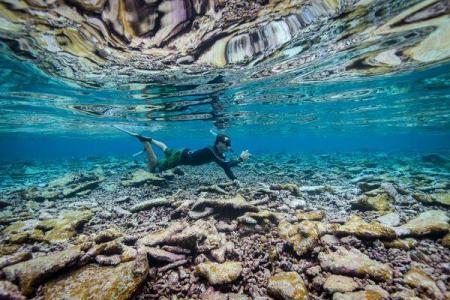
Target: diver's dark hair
(223, 138)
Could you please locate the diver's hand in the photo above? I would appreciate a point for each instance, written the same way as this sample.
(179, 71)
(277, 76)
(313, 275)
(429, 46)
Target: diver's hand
(244, 155)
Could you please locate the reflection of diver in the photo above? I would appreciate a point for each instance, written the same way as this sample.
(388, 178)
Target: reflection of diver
(216, 114)
(220, 119)
(176, 157)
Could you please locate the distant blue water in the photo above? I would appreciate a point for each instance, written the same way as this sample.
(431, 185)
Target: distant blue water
(29, 147)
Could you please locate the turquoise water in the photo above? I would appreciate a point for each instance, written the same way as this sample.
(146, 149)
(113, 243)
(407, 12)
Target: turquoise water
(44, 117)
(344, 106)
(320, 77)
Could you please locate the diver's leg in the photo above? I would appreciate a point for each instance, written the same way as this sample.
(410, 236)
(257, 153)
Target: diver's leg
(152, 160)
(160, 145)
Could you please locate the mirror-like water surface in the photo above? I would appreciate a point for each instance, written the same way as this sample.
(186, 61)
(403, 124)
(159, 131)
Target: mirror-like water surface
(315, 66)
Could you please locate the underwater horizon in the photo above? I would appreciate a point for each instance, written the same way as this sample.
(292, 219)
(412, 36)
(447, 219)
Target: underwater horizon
(319, 76)
(343, 105)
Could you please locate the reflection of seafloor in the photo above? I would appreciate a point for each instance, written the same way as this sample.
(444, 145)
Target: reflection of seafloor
(114, 42)
(360, 226)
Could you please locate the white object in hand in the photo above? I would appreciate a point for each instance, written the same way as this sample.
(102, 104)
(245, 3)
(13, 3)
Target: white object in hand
(245, 155)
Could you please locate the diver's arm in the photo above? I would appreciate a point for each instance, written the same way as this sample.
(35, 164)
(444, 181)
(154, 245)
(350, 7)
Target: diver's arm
(225, 165)
(233, 162)
(229, 173)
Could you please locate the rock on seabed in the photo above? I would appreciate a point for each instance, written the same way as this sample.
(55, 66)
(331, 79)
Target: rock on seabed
(354, 263)
(446, 240)
(9, 291)
(419, 279)
(404, 244)
(141, 177)
(66, 186)
(442, 198)
(220, 273)
(287, 286)
(339, 283)
(29, 274)
(148, 204)
(429, 222)
(93, 282)
(303, 236)
(379, 202)
(391, 219)
(358, 227)
(362, 295)
(59, 229)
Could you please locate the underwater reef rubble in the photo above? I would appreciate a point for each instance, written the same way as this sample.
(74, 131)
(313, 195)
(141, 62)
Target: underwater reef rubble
(67, 186)
(176, 242)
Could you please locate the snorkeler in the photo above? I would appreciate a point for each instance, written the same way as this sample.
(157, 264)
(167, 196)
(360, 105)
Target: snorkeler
(183, 156)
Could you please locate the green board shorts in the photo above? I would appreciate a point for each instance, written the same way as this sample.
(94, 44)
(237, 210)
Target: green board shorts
(172, 158)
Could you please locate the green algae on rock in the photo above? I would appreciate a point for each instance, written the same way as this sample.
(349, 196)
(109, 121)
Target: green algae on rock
(362, 295)
(64, 227)
(358, 227)
(58, 229)
(419, 279)
(339, 283)
(446, 240)
(428, 223)
(263, 217)
(313, 215)
(217, 273)
(380, 202)
(303, 236)
(29, 274)
(437, 198)
(424, 198)
(99, 282)
(287, 286)
(140, 177)
(20, 232)
(67, 186)
(8, 249)
(404, 244)
(15, 258)
(377, 289)
(442, 198)
(406, 294)
(354, 263)
(7, 217)
(107, 235)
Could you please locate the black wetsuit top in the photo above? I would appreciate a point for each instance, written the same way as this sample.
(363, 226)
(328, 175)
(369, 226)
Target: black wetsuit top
(207, 155)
